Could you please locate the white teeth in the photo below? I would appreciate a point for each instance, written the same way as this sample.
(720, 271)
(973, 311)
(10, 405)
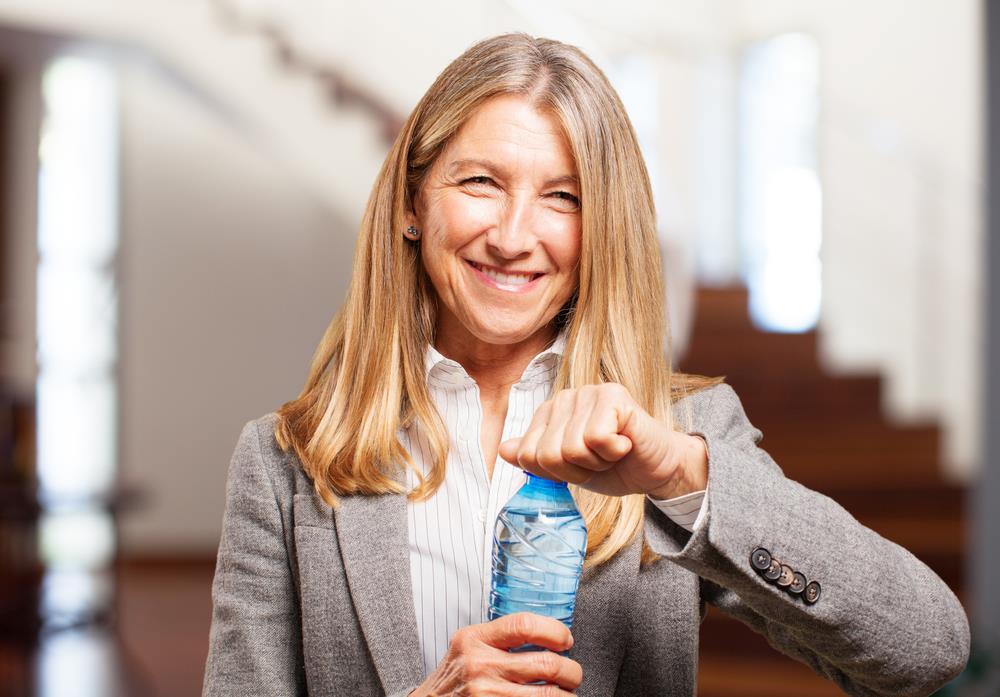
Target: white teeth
(507, 279)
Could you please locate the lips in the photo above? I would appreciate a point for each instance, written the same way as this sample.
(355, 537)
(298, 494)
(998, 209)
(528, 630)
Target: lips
(505, 278)
(517, 282)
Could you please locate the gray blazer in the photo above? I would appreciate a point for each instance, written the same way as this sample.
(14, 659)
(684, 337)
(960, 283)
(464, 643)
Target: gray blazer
(313, 600)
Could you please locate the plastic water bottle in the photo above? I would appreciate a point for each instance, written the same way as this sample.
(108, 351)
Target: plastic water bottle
(539, 542)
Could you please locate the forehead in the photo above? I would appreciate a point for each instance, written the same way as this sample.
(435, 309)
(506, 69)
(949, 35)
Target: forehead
(511, 128)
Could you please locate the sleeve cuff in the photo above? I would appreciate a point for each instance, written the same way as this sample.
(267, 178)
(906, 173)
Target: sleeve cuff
(688, 510)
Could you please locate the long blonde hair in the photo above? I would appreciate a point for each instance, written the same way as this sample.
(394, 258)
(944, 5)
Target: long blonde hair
(367, 377)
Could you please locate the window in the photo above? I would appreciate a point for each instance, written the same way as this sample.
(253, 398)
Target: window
(780, 199)
(77, 310)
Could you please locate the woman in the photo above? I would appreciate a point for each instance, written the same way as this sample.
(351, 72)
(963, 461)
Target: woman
(506, 300)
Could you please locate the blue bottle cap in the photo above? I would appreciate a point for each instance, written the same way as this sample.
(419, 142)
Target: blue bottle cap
(535, 480)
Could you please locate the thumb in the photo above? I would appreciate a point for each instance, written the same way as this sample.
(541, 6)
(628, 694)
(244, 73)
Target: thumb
(508, 450)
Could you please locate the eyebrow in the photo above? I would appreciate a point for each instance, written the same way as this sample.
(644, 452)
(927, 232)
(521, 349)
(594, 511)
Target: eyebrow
(496, 169)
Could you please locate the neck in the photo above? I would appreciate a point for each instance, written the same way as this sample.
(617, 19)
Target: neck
(494, 367)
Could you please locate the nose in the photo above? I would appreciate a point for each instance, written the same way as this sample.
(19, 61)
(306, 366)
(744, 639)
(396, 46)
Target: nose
(513, 235)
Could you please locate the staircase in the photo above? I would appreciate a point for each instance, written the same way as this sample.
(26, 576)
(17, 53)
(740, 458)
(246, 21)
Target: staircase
(827, 433)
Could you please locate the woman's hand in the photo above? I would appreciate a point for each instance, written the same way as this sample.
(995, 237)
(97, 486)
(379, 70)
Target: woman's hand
(599, 437)
(478, 663)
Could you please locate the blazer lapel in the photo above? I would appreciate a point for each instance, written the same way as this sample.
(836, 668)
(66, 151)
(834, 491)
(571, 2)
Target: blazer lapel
(374, 544)
(602, 606)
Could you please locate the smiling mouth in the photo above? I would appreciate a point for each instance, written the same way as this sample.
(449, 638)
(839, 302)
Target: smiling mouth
(505, 278)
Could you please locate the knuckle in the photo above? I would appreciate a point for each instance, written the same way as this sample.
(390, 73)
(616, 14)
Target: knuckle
(520, 625)
(549, 456)
(466, 642)
(544, 663)
(615, 389)
(472, 666)
(575, 453)
(595, 439)
(477, 686)
(526, 457)
(460, 638)
(564, 397)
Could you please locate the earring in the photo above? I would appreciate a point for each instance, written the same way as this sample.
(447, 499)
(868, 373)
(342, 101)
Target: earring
(412, 232)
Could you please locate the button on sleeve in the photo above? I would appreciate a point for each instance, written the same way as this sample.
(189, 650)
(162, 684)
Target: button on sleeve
(812, 592)
(760, 559)
(785, 579)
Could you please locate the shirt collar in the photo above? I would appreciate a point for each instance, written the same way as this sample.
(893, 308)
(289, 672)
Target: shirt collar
(444, 371)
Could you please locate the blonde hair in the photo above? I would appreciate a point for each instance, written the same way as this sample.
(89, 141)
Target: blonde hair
(367, 377)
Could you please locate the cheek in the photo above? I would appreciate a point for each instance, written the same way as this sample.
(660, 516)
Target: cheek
(460, 218)
(566, 240)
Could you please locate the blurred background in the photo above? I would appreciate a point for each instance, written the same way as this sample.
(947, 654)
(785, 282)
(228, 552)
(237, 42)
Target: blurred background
(181, 183)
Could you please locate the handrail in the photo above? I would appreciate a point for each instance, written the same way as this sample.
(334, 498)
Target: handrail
(340, 89)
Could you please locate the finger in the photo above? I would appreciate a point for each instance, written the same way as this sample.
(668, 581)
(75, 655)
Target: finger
(601, 433)
(509, 448)
(574, 447)
(549, 453)
(505, 688)
(523, 628)
(509, 451)
(532, 666)
(526, 449)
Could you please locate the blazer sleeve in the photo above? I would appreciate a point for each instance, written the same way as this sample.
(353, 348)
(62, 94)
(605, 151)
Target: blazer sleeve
(255, 645)
(884, 623)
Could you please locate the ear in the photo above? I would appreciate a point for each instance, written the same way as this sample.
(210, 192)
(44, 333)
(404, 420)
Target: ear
(412, 214)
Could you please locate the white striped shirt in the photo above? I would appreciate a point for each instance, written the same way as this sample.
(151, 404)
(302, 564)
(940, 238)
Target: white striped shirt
(451, 533)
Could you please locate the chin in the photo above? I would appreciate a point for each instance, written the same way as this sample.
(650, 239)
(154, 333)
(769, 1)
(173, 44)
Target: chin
(497, 332)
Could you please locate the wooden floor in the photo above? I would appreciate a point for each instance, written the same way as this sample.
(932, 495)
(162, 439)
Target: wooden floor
(164, 615)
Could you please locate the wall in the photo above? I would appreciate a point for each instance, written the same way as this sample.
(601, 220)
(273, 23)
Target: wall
(228, 276)
(901, 169)
(202, 353)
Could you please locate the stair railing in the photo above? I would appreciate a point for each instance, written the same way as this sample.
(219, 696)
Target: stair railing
(342, 90)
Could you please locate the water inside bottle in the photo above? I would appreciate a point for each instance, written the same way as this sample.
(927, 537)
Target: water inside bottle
(537, 560)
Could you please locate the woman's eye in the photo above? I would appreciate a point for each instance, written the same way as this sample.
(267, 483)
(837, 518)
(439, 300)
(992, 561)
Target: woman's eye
(481, 179)
(566, 196)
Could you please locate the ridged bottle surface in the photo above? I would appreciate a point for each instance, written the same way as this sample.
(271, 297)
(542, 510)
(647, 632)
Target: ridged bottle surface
(539, 542)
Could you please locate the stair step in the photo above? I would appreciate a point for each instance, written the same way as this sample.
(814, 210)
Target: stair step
(752, 352)
(726, 676)
(901, 498)
(859, 439)
(867, 452)
(816, 396)
(921, 532)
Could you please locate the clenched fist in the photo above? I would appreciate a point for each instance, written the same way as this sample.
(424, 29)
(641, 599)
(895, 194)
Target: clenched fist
(598, 437)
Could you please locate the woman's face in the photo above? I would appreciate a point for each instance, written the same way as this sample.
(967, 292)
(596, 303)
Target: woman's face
(499, 213)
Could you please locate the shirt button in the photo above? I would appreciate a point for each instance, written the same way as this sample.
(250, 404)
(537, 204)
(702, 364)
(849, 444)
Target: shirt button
(798, 583)
(760, 559)
(481, 515)
(812, 592)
